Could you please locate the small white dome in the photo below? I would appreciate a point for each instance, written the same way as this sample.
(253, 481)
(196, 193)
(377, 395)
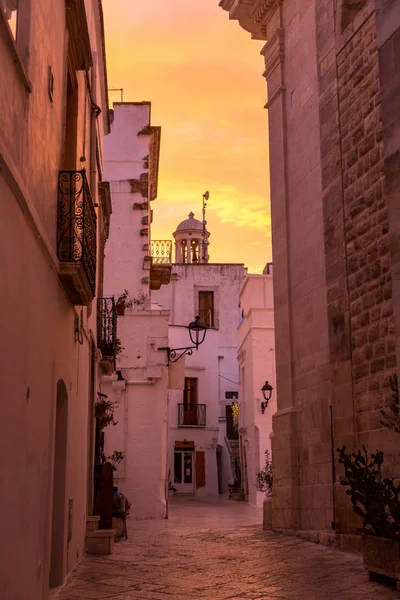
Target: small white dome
(190, 223)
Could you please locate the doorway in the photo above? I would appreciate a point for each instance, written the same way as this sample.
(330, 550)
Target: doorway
(231, 429)
(58, 523)
(183, 471)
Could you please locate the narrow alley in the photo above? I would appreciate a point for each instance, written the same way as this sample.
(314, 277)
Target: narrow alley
(219, 551)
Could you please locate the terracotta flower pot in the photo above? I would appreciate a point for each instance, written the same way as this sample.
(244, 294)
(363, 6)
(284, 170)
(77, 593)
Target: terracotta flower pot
(120, 308)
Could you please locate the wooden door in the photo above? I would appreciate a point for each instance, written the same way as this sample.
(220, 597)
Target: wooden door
(200, 469)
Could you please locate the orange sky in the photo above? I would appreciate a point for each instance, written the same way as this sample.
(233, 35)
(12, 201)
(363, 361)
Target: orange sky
(203, 75)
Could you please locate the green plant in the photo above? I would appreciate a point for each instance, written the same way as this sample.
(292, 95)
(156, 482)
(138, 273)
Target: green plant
(123, 299)
(115, 458)
(374, 498)
(101, 406)
(264, 477)
(104, 410)
(140, 299)
(392, 421)
(117, 347)
(127, 506)
(111, 348)
(235, 410)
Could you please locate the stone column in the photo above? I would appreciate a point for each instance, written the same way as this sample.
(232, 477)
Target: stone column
(188, 251)
(285, 437)
(178, 251)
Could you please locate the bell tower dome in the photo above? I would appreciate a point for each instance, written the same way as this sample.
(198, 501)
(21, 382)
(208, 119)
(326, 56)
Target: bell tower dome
(191, 242)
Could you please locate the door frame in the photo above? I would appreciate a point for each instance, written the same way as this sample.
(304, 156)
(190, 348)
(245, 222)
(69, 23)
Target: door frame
(185, 488)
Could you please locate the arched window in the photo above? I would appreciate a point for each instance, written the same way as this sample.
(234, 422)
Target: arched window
(350, 9)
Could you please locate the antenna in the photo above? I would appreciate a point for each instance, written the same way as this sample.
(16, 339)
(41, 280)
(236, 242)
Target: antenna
(118, 90)
(206, 196)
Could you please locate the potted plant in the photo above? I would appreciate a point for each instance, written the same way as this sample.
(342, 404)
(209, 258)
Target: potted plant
(115, 458)
(110, 348)
(376, 500)
(104, 410)
(171, 489)
(123, 302)
(264, 485)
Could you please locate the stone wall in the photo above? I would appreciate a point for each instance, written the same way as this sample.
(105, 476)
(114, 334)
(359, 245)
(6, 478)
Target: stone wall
(357, 254)
(341, 209)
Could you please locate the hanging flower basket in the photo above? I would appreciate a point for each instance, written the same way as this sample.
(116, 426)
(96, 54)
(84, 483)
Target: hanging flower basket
(104, 410)
(100, 409)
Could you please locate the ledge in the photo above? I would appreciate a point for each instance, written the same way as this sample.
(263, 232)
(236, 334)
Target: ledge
(75, 282)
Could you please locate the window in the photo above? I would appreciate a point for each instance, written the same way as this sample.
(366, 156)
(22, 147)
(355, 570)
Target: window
(190, 391)
(10, 9)
(206, 308)
(231, 395)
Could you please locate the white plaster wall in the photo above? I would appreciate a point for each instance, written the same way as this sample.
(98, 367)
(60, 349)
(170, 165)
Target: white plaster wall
(36, 319)
(124, 161)
(214, 360)
(123, 265)
(256, 356)
(142, 413)
(124, 148)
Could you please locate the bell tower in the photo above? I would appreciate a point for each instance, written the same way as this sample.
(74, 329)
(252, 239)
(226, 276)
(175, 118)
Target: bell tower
(191, 242)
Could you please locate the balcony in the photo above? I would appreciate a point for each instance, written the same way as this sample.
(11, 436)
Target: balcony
(161, 263)
(192, 415)
(107, 333)
(76, 237)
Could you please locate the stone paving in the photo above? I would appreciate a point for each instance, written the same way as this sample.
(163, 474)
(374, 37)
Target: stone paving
(217, 551)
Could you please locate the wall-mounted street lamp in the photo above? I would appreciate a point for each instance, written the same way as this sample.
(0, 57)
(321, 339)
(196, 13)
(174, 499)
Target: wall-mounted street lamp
(267, 393)
(197, 333)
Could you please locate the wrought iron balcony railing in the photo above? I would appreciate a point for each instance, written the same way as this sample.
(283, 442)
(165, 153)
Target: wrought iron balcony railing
(161, 252)
(106, 326)
(76, 234)
(192, 415)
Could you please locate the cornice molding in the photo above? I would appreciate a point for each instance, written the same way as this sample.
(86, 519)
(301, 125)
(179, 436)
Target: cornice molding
(274, 52)
(243, 12)
(263, 8)
(253, 15)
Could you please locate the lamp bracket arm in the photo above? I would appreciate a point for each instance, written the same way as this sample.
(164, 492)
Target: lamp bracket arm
(174, 354)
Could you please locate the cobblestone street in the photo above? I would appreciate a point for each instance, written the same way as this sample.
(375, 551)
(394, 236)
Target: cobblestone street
(219, 551)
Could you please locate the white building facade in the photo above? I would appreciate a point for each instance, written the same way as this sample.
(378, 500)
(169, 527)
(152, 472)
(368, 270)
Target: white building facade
(138, 385)
(256, 361)
(203, 385)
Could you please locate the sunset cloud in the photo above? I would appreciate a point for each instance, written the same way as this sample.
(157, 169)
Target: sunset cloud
(202, 74)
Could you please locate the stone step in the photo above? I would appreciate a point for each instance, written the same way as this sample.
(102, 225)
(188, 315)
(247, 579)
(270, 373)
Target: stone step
(100, 541)
(92, 523)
